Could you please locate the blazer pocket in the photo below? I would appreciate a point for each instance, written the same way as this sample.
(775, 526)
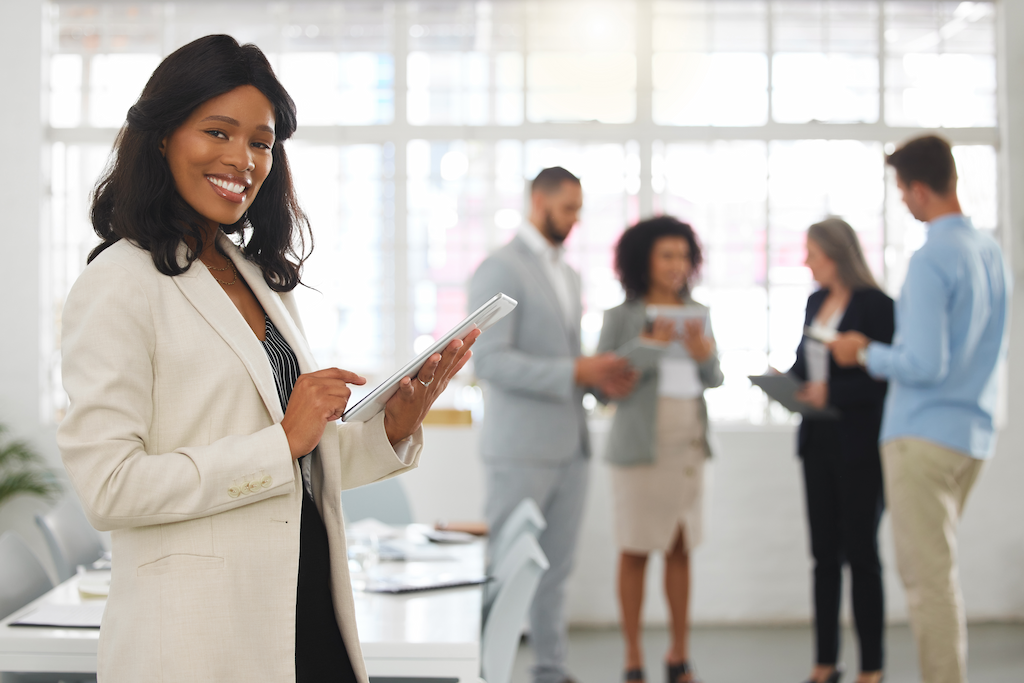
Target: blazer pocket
(180, 562)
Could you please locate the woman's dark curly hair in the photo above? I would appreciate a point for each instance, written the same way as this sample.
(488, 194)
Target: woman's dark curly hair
(633, 252)
(136, 198)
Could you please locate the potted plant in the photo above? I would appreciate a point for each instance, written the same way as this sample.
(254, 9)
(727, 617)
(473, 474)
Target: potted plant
(23, 471)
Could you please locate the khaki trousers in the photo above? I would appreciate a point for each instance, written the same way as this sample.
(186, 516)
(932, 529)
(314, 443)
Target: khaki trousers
(926, 486)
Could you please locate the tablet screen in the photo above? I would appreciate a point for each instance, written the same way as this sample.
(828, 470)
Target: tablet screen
(491, 312)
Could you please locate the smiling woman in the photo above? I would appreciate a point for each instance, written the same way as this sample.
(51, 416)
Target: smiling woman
(215, 104)
(228, 155)
(200, 430)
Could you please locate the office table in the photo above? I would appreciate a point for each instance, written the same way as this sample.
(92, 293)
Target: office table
(433, 634)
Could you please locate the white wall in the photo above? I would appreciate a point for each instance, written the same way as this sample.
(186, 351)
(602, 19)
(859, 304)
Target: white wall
(21, 194)
(753, 565)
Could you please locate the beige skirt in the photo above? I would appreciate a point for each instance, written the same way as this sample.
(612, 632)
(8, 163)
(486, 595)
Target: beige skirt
(653, 501)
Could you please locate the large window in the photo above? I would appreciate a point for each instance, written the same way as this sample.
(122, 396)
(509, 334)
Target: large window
(421, 123)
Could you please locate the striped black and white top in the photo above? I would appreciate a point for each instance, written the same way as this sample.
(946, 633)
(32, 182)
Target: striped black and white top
(285, 365)
(282, 361)
(320, 652)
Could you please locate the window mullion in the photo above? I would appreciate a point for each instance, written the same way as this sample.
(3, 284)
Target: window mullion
(644, 102)
(402, 310)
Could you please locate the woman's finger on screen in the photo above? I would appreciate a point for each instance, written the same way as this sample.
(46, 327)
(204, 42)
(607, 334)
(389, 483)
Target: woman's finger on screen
(346, 376)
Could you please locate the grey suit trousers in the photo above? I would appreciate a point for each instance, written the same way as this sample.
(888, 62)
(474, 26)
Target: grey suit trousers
(559, 489)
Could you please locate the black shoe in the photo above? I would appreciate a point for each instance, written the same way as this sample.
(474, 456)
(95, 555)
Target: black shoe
(675, 671)
(833, 677)
(633, 675)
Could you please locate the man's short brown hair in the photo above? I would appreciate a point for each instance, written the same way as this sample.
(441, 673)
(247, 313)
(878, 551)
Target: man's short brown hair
(550, 180)
(927, 159)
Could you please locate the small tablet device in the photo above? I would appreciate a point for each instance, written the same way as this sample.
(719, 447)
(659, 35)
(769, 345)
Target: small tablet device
(641, 352)
(679, 314)
(491, 312)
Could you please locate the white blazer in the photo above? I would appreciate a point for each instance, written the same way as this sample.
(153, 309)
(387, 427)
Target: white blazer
(173, 441)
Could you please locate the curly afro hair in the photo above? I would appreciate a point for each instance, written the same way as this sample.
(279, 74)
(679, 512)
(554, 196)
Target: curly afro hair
(633, 252)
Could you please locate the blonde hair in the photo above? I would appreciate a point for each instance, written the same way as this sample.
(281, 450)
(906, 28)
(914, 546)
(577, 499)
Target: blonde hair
(839, 242)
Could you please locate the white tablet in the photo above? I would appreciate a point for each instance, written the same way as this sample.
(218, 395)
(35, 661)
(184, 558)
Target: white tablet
(491, 312)
(679, 314)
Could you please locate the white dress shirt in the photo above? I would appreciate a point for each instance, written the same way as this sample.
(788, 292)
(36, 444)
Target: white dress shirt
(558, 271)
(817, 353)
(678, 375)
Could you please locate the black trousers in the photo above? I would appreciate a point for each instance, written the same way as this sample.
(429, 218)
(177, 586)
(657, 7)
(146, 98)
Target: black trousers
(320, 654)
(845, 501)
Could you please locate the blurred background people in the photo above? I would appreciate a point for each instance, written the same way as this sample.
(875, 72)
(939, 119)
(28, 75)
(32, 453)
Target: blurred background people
(535, 442)
(943, 368)
(842, 469)
(658, 440)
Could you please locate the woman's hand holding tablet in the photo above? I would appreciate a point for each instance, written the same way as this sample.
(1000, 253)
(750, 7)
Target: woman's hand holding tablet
(405, 410)
(438, 363)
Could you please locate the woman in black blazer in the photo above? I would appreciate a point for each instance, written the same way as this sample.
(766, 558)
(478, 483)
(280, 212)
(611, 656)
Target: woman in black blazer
(842, 468)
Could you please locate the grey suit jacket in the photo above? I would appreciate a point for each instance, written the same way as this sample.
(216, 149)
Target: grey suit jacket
(534, 408)
(631, 440)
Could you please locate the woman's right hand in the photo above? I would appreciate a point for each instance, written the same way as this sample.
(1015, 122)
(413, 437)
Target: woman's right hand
(662, 330)
(317, 398)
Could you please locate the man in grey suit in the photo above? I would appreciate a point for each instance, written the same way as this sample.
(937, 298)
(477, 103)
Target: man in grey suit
(535, 442)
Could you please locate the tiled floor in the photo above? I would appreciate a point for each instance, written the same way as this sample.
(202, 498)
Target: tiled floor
(780, 654)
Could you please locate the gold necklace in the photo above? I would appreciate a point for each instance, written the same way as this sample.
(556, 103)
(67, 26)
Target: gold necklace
(231, 265)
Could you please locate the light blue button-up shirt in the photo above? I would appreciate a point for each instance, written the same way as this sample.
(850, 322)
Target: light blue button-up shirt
(951, 336)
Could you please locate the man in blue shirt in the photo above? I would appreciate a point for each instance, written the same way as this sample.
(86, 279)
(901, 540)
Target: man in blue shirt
(943, 369)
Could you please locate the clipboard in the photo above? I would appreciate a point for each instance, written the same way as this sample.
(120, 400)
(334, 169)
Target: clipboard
(85, 615)
(782, 388)
(491, 312)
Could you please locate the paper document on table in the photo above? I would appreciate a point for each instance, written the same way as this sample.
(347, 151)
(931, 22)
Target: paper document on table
(401, 550)
(85, 615)
(406, 583)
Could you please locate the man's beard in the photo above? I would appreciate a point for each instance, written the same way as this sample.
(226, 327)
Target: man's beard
(550, 232)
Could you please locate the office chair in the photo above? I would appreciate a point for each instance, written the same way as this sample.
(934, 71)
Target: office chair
(517, 578)
(525, 518)
(71, 538)
(22, 576)
(384, 501)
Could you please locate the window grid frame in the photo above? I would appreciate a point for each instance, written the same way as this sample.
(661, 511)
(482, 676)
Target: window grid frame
(642, 130)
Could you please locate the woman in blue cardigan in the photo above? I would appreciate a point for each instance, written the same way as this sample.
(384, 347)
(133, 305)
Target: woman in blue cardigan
(842, 468)
(658, 441)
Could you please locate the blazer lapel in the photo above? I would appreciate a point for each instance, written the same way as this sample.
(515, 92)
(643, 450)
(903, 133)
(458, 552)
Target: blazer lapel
(636, 316)
(207, 297)
(540, 276)
(272, 304)
(851, 313)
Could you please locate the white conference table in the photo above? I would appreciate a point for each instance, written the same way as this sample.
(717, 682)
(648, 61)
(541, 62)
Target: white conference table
(429, 634)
